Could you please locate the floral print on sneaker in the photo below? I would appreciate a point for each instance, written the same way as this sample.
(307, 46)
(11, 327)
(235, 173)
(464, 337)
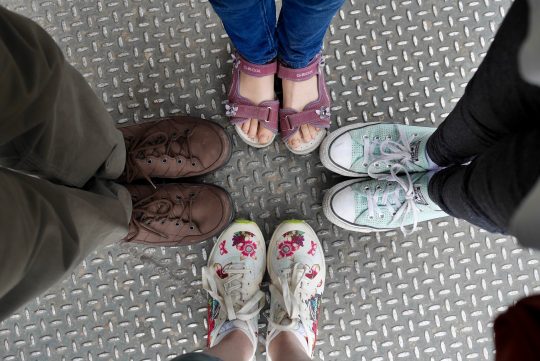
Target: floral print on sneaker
(297, 270)
(243, 241)
(236, 266)
(291, 242)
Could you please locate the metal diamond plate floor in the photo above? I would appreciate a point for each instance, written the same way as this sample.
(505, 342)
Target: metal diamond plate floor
(429, 296)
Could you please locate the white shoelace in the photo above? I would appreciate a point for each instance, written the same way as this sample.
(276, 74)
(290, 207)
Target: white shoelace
(390, 198)
(392, 152)
(230, 295)
(290, 299)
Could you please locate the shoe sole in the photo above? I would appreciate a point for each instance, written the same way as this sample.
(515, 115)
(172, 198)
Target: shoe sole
(333, 218)
(311, 146)
(248, 140)
(324, 152)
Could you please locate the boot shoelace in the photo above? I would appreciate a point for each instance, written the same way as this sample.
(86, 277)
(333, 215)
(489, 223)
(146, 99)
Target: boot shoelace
(229, 296)
(392, 199)
(148, 210)
(140, 148)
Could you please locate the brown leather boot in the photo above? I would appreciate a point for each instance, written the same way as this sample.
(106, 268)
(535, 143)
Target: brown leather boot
(178, 214)
(174, 147)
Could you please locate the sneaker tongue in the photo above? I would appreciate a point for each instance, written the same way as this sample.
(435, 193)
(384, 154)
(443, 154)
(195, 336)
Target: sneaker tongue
(420, 189)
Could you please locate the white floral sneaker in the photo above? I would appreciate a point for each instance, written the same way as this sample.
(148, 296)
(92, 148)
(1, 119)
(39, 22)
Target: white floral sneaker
(236, 267)
(297, 272)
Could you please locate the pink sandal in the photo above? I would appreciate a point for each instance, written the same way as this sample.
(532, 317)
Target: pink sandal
(240, 109)
(316, 113)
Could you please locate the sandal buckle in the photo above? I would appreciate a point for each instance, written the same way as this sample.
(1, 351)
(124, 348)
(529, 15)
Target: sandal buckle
(267, 120)
(288, 122)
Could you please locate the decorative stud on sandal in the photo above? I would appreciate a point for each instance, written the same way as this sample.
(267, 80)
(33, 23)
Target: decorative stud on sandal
(316, 113)
(240, 109)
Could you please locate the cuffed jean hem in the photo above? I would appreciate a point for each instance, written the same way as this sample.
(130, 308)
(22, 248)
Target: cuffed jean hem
(298, 65)
(261, 61)
(196, 356)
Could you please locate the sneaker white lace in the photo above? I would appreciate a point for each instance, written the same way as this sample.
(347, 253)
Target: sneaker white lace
(236, 266)
(297, 271)
(387, 202)
(363, 149)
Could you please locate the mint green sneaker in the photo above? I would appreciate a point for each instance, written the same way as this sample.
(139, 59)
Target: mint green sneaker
(367, 149)
(382, 204)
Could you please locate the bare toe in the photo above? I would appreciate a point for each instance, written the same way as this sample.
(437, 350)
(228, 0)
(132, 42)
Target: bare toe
(253, 128)
(306, 136)
(245, 127)
(264, 135)
(313, 131)
(295, 141)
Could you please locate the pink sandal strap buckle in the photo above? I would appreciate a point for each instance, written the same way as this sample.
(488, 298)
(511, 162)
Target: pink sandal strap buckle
(290, 121)
(316, 113)
(239, 109)
(266, 113)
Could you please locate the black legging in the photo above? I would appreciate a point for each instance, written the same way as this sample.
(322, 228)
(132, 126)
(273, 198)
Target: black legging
(496, 125)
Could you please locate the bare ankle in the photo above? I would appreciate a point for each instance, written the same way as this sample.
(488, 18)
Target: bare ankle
(287, 347)
(233, 347)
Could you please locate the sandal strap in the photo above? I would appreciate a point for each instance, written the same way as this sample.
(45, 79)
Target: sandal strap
(301, 74)
(266, 113)
(290, 121)
(256, 70)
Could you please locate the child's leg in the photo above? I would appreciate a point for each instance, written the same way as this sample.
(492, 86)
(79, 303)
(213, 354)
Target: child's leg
(300, 32)
(251, 25)
(301, 28)
(497, 101)
(489, 190)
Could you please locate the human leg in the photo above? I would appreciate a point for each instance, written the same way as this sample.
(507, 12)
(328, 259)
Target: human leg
(51, 124)
(494, 99)
(251, 27)
(490, 189)
(47, 229)
(300, 32)
(301, 28)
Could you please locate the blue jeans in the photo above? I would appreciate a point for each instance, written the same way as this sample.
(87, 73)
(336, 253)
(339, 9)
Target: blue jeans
(295, 40)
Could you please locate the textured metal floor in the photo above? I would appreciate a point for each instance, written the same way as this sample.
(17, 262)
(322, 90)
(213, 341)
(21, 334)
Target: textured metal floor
(430, 296)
